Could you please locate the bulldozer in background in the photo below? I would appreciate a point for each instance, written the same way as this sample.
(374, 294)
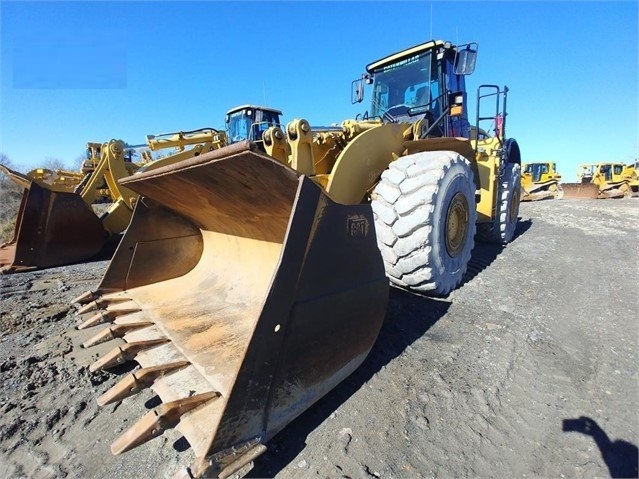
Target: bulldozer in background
(247, 300)
(630, 173)
(540, 181)
(600, 180)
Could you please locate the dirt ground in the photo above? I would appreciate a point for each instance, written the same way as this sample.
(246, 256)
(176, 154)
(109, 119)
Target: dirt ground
(528, 369)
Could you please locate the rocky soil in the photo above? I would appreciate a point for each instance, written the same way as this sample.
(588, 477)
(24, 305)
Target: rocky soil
(528, 369)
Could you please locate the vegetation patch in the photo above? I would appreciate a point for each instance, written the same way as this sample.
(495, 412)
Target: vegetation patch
(10, 195)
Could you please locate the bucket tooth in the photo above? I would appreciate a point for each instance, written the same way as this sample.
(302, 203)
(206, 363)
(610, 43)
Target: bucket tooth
(110, 316)
(155, 422)
(164, 354)
(138, 335)
(113, 332)
(92, 306)
(132, 318)
(86, 297)
(105, 302)
(98, 318)
(124, 353)
(137, 381)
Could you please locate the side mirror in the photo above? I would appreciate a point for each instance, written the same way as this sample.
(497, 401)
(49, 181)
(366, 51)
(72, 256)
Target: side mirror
(357, 91)
(228, 118)
(465, 60)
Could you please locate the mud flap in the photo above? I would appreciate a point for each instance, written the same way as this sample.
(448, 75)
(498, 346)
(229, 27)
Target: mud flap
(260, 295)
(52, 228)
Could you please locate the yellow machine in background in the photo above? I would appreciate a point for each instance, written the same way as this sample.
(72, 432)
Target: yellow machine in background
(249, 298)
(249, 122)
(73, 181)
(55, 226)
(540, 181)
(630, 173)
(63, 180)
(600, 180)
(67, 180)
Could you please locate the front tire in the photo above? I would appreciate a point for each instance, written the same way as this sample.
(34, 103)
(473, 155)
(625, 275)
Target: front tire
(502, 229)
(425, 215)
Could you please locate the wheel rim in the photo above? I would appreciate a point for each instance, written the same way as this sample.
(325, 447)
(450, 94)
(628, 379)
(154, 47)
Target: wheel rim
(514, 205)
(456, 224)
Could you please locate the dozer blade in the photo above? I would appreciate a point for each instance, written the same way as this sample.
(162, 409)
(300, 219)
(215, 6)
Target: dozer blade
(52, 228)
(244, 293)
(580, 191)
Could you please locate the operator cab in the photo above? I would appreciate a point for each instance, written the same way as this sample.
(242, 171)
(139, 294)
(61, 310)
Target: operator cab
(249, 122)
(425, 81)
(536, 170)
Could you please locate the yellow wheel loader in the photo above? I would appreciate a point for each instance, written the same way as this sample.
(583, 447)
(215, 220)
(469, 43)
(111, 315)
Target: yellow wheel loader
(247, 300)
(55, 226)
(540, 181)
(249, 122)
(93, 161)
(60, 227)
(72, 181)
(63, 180)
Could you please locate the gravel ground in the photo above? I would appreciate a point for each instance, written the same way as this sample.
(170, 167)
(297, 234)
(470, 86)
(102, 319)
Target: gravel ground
(528, 369)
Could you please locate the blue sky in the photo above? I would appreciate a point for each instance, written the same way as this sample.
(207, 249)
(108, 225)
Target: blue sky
(73, 72)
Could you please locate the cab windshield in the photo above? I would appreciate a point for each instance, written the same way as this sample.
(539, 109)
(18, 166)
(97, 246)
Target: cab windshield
(243, 125)
(269, 119)
(405, 84)
(239, 126)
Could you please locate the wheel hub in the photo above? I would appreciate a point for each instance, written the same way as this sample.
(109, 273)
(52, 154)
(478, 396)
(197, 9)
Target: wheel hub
(456, 224)
(514, 206)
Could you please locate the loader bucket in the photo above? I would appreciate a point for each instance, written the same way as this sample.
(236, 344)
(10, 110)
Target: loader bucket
(52, 228)
(580, 191)
(244, 293)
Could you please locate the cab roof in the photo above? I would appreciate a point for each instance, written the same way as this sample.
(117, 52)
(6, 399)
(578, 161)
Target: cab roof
(253, 107)
(423, 47)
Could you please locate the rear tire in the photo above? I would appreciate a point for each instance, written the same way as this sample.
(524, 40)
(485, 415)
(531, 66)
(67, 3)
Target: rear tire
(502, 229)
(425, 215)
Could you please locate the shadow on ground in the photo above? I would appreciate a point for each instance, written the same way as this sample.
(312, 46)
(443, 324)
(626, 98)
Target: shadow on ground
(408, 317)
(485, 253)
(620, 456)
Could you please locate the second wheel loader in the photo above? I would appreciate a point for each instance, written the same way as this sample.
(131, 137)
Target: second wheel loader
(56, 224)
(249, 122)
(247, 300)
